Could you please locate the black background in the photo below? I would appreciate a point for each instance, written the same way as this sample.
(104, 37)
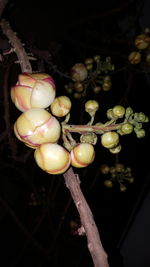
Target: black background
(72, 32)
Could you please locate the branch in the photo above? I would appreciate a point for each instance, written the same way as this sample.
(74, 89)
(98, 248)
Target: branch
(94, 244)
(95, 247)
(18, 47)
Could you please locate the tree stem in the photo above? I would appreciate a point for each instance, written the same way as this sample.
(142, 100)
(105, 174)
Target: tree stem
(95, 247)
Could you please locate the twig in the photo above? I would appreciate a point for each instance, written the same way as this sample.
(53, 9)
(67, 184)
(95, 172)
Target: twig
(97, 252)
(95, 247)
(17, 45)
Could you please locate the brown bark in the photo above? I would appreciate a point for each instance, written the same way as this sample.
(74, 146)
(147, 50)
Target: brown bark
(95, 247)
(18, 47)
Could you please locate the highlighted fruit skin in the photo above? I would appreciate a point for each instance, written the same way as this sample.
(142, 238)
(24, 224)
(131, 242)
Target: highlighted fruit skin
(52, 158)
(61, 106)
(37, 126)
(110, 139)
(33, 91)
(82, 155)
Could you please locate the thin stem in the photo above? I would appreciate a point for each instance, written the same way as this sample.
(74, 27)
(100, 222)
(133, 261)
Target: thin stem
(17, 45)
(98, 129)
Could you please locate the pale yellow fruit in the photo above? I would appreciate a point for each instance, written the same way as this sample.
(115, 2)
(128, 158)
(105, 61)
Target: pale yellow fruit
(61, 106)
(52, 158)
(110, 139)
(82, 155)
(37, 126)
(91, 106)
(33, 91)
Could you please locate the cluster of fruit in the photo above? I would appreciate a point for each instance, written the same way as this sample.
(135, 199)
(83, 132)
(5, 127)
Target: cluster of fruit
(142, 48)
(39, 125)
(38, 128)
(117, 174)
(91, 75)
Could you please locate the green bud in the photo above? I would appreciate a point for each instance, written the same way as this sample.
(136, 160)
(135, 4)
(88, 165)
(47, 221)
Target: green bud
(97, 58)
(140, 133)
(131, 180)
(108, 183)
(123, 188)
(119, 111)
(115, 150)
(89, 66)
(128, 112)
(91, 106)
(127, 128)
(138, 126)
(88, 61)
(146, 119)
(90, 138)
(141, 117)
(110, 114)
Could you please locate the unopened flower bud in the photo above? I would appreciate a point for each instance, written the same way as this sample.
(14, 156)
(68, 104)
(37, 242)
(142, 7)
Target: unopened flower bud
(119, 111)
(108, 183)
(97, 89)
(106, 86)
(140, 133)
(104, 168)
(142, 41)
(78, 86)
(33, 91)
(110, 139)
(37, 126)
(127, 128)
(61, 106)
(119, 167)
(79, 72)
(115, 149)
(82, 155)
(135, 57)
(89, 61)
(91, 106)
(90, 138)
(123, 188)
(52, 158)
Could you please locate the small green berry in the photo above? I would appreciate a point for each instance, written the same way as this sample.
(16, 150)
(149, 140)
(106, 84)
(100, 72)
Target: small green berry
(108, 183)
(110, 139)
(119, 111)
(127, 128)
(140, 133)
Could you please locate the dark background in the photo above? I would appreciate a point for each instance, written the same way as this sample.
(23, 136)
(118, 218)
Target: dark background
(71, 32)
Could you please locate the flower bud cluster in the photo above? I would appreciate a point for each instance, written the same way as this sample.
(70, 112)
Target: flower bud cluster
(117, 174)
(142, 48)
(39, 129)
(92, 75)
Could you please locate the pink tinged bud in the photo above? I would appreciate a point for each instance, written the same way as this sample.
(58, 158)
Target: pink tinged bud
(82, 155)
(79, 72)
(37, 126)
(45, 77)
(61, 106)
(26, 79)
(33, 91)
(52, 158)
(43, 94)
(20, 96)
